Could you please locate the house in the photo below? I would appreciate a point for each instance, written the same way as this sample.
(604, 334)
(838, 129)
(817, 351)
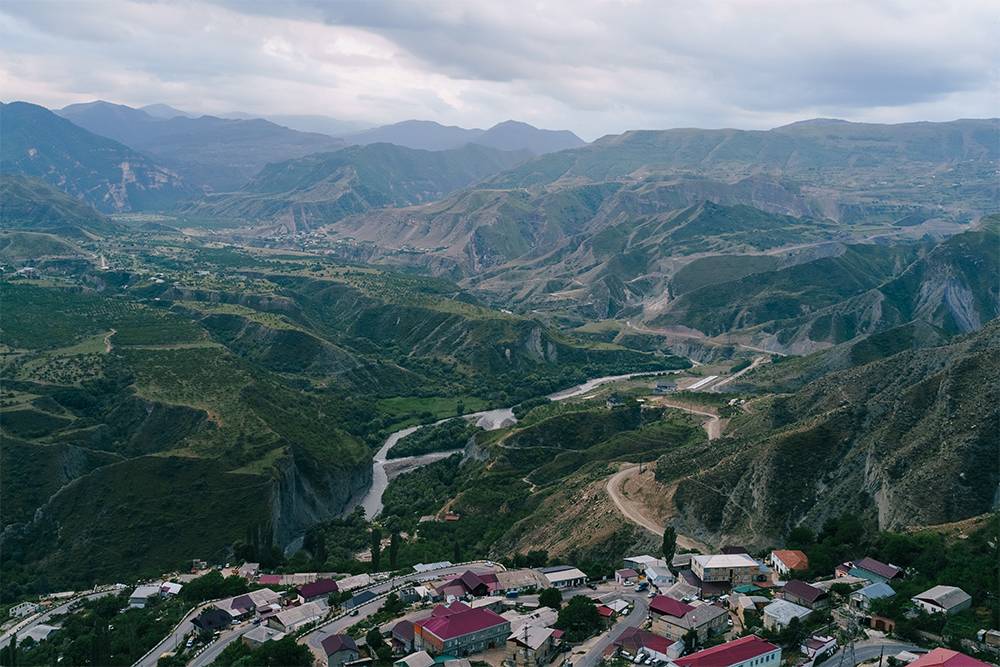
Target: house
(614, 401)
(734, 549)
(636, 642)
(170, 589)
(294, 618)
(943, 600)
(750, 651)
(491, 602)
(317, 590)
(364, 597)
(519, 581)
(861, 599)
(24, 609)
(618, 606)
(141, 596)
(533, 646)
(804, 595)
(779, 614)
(418, 659)
(339, 650)
(870, 569)
(728, 568)
(682, 590)
(943, 657)
(674, 619)
(542, 617)
(680, 562)
(460, 630)
(640, 563)
(626, 577)
(469, 583)
(787, 561)
(818, 645)
(260, 635)
(664, 387)
(564, 577)
(659, 576)
(353, 582)
(402, 636)
(744, 606)
(270, 579)
(212, 619)
(242, 606)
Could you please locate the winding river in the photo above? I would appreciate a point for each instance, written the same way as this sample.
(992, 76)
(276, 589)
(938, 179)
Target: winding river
(489, 420)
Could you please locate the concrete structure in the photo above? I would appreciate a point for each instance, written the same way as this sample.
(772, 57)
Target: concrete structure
(804, 595)
(869, 569)
(533, 646)
(141, 596)
(37, 633)
(519, 581)
(862, 599)
(659, 576)
(262, 634)
(786, 561)
(249, 571)
(943, 600)
(729, 568)
(339, 650)
(564, 577)
(542, 617)
(779, 614)
(749, 651)
(24, 609)
(674, 619)
(640, 563)
(170, 588)
(418, 659)
(294, 618)
(459, 630)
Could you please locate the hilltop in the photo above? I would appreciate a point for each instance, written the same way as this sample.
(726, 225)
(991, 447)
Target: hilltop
(509, 135)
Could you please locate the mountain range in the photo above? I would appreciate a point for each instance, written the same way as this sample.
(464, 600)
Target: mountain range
(508, 136)
(217, 154)
(103, 172)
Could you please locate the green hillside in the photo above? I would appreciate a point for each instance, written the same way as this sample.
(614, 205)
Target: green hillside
(104, 173)
(904, 441)
(31, 204)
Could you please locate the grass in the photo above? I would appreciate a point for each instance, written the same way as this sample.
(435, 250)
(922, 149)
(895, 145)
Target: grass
(430, 406)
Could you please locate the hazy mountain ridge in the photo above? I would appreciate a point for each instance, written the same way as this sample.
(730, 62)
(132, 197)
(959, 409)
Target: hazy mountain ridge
(325, 187)
(216, 153)
(509, 135)
(31, 204)
(108, 175)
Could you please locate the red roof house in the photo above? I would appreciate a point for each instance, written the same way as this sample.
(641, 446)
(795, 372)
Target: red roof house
(460, 630)
(733, 654)
(318, 589)
(943, 657)
(663, 604)
(635, 639)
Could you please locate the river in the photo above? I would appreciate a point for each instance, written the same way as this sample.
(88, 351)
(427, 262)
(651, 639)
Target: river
(489, 420)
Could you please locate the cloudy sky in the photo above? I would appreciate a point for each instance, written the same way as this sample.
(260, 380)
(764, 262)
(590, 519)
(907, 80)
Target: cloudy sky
(593, 67)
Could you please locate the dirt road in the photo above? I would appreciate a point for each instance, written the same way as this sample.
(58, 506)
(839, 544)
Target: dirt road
(634, 514)
(713, 427)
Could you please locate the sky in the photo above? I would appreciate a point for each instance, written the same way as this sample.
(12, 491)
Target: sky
(592, 67)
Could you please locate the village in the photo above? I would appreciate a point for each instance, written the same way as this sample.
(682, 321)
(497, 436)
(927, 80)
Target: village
(726, 609)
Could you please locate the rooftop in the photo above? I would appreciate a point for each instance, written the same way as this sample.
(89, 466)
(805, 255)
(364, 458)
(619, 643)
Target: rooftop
(792, 558)
(804, 591)
(457, 624)
(663, 604)
(319, 587)
(531, 636)
(877, 567)
(418, 659)
(784, 611)
(335, 643)
(729, 653)
(633, 639)
(944, 596)
(943, 657)
(876, 591)
(725, 561)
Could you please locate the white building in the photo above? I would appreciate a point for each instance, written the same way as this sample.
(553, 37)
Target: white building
(170, 588)
(734, 568)
(659, 576)
(817, 645)
(143, 594)
(24, 609)
(943, 600)
(564, 577)
(780, 613)
(640, 563)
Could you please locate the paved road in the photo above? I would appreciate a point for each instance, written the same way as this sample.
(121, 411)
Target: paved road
(713, 427)
(174, 639)
(55, 611)
(869, 650)
(632, 513)
(208, 656)
(635, 618)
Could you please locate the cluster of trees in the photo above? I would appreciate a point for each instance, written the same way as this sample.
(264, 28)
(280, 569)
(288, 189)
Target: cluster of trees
(579, 619)
(282, 653)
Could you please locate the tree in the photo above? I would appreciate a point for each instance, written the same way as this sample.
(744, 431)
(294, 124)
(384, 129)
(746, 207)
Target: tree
(394, 550)
(550, 597)
(579, 619)
(377, 645)
(376, 547)
(456, 554)
(669, 542)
